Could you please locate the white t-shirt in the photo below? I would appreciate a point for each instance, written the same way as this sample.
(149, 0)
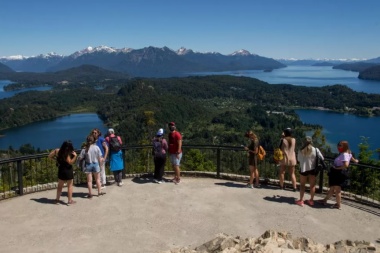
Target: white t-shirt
(308, 162)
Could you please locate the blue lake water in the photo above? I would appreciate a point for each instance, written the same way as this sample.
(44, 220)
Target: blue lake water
(313, 76)
(51, 133)
(7, 94)
(339, 126)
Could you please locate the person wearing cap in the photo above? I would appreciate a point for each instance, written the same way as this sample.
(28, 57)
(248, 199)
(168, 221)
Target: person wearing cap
(287, 146)
(160, 148)
(116, 158)
(307, 157)
(175, 151)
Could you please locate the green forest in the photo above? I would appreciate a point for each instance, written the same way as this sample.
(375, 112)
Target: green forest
(207, 110)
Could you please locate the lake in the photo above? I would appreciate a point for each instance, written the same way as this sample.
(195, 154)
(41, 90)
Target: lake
(50, 134)
(7, 94)
(312, 76)
(339, 126)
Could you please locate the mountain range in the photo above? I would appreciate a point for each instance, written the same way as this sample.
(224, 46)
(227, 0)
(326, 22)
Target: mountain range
(145, 62)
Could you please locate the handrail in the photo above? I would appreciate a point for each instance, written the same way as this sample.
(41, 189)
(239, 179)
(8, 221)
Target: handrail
(27, 171)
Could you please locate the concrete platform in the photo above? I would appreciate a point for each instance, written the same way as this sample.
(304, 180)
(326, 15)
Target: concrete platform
(143, 216)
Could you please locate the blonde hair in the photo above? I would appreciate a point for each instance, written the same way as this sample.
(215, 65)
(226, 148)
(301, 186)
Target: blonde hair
(307, 147)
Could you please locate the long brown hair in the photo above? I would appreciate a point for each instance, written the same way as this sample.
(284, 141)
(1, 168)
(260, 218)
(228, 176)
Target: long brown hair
(89, 141)
(345, 146)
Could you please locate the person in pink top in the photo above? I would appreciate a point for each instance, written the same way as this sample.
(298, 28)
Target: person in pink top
(175, 150)
(336, 177)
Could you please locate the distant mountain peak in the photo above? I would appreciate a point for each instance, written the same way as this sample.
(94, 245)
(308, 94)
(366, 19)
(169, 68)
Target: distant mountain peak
(183, 51)
(91, 49)
(241, 52)
(14, 57)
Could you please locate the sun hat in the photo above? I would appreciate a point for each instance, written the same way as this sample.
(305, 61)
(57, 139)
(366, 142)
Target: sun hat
(111, 131)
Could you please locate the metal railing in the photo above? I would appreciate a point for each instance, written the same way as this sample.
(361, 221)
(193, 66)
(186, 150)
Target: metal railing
(33, 173)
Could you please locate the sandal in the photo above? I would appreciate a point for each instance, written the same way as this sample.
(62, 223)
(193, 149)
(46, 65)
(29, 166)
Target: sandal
(56, 201)
(101, 194)
(89, 196)
(336, 206)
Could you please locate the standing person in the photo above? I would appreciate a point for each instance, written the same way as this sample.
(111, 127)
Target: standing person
(289, 161)
(336, 177)
(160, 148)
(93, 157)
(101, 143)
(116, 156)
(65, 157)
(175, 151)
(252, 149)
(307, 157)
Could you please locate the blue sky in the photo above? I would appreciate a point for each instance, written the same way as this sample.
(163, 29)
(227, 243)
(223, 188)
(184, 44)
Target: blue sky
(271, 28)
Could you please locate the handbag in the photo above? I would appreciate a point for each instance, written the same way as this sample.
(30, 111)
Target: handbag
(320, 165)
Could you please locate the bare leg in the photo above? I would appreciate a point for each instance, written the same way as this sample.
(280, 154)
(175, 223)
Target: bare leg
(251, 174)
(89, 184)
(98, 184)
(338, 195)
(293, 176)
(282, 175)
(257, 177)
(59, 189)
(302, 186)
(70, 187)
(312, 186)
(177, 172)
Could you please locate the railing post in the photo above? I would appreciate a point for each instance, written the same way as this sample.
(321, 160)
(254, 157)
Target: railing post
(124, 169)
(218, 163)
(20, 178)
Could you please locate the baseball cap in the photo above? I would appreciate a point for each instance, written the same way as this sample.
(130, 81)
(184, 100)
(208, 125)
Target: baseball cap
(171, 124)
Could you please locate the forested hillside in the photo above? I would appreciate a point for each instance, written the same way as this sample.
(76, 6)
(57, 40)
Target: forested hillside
(210, 109)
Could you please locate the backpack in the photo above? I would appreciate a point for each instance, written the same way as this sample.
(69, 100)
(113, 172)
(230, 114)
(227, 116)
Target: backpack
(261, 153)
(114, 143)
(278, 155)
(157, 149)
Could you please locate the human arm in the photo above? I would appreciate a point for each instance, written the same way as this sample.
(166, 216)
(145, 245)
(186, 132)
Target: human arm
(53, 154)
(179, 147)
(71, 158)
(354, 160)
(105, 147)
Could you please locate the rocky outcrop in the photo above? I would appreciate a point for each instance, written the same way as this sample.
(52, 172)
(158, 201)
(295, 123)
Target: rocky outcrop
(276, 242)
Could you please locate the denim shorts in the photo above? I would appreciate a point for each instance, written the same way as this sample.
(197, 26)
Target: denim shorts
(174, 160)
(92, 168)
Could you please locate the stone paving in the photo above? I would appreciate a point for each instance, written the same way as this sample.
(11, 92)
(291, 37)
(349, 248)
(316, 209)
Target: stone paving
(142, 216)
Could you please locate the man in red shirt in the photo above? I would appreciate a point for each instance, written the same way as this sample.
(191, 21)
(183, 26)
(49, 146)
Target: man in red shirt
(175, 151)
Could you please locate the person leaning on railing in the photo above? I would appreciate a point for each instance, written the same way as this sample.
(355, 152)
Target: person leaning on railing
(337, 175)
(65, 157)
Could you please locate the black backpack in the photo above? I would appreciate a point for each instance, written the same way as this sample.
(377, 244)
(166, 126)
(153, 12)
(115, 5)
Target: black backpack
(157, 148)
(115, 144)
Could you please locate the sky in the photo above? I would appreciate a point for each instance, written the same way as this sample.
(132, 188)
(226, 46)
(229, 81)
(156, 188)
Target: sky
(301, 29)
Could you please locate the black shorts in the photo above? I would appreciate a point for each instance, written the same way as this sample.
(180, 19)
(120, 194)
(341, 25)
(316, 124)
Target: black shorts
(336, 178)
(313, 172)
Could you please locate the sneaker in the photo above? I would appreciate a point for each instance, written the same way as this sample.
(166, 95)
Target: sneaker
(309, 202)
(299, 202)
(120, 184)
(177, 181)
(159, 182)
(155, 180)
(103, 187)
(250, 186)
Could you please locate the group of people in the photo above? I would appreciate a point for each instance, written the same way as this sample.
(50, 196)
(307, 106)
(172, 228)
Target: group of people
(93, 155)
(307, 157)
